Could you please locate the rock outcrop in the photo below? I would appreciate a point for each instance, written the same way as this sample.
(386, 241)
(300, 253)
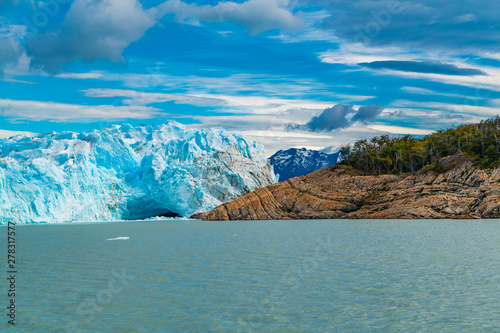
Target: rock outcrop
(453, 188)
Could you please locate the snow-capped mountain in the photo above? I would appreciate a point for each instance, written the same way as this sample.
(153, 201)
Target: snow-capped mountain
(125, 172)
(298, 162)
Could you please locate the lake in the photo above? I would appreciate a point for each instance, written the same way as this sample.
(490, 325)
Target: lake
(257, 276)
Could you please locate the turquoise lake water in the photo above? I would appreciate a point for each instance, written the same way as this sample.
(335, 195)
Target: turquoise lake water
(257, 276)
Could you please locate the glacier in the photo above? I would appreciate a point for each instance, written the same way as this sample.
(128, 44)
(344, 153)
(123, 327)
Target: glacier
(126, 173)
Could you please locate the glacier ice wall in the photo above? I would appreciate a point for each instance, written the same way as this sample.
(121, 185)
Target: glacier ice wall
(125, 172)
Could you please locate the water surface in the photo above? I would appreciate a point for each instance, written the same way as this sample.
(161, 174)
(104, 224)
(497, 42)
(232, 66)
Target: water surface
(259, 276)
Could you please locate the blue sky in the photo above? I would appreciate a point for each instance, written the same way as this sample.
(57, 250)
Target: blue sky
(287, 73)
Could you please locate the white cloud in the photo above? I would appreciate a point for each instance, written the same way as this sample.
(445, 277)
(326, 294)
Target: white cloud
(400, 130)
(10, 52)
(270, 131)
(133, 97)
(482, 111)
(310, 31)
(60, 112)
(284, 134)
(422, 91)
(266, 116)
(227, 91)
(353, 54)
(81, 76)
(465, 18)
(273, 136)
(256, 15)
(91, 30)
(433, 118)
(267, 105)
(20, 68)
(11, 30)
(267, 93)
(482, 83)
(287, 108)
(468, 25)
(7, 134)
(103, 29)
(264, 84)
(491, 55)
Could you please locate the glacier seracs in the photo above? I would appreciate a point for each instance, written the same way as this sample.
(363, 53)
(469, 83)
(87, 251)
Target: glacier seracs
(124, 172)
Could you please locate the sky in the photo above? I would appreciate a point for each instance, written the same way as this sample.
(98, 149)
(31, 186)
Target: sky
(287, 73)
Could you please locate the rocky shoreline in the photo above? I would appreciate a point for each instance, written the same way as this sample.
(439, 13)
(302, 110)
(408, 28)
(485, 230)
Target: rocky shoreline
(453, 188)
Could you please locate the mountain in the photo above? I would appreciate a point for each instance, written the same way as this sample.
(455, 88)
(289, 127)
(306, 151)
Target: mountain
(125, 172)
(298, 162)
(456, 188)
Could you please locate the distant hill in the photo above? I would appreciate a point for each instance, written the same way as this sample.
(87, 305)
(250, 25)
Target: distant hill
(407, 154)
(298, 162)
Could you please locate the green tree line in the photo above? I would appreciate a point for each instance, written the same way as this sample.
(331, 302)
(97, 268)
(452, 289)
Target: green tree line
(405, 154)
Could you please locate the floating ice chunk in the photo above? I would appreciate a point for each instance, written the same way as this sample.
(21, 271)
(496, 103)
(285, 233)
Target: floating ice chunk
(118, 238)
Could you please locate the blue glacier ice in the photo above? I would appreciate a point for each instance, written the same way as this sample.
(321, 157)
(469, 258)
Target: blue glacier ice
(124, 172)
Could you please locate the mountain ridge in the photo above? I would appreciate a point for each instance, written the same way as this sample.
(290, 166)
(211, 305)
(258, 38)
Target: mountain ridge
(296, 162)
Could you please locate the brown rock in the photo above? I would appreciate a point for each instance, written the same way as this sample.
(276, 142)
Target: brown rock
(462, 191)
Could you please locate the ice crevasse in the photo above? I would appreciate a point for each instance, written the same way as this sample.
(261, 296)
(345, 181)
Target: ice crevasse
(125, 173)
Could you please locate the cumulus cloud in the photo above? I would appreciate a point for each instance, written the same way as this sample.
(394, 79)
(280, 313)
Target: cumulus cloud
(91, 30)
(256, 15)
(423, 67)
(336, 117)
(329, 119)
(367, 113)
(102, 29)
